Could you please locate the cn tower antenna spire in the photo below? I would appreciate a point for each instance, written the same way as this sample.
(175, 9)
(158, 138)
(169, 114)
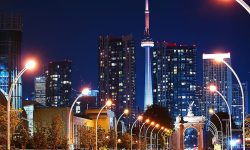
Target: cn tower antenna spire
(147, 43)
(147, 18)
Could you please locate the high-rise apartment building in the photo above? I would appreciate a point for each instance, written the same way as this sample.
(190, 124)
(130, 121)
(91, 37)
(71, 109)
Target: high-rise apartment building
(218, 74)
(58, 83)
(40, 89)
(174, 77)
(237, 103)
(10, 55)
(117, 71)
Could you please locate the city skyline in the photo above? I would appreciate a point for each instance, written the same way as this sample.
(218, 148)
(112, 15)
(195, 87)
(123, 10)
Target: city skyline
(194, 31)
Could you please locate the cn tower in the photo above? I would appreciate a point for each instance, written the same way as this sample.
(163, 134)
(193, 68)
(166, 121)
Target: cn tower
(147, 43)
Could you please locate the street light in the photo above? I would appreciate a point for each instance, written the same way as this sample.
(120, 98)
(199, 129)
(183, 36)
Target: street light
(162, 128)
(83, 93)
(31, 64)
(151, 124)
(211, 111)
(220, 59)
(213, 88)
(107, 104)
(147, 121)
(151, 143)
(126, 112)
(243, 4)
(131, 134)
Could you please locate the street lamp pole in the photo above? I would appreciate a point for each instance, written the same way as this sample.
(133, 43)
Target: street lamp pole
(108, 103)
(69, 123)
(131, 134)
(116, 125)
(214, 89)
(244, 4)
(140, 132)
(221, 127)
(30, 65)
(162, 128)
(243, 100)
(151, 124)
(151, 143)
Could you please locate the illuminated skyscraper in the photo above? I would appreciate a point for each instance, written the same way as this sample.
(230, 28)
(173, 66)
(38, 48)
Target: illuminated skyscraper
(117, 71)
(58, 84)
(174, 77)
(220, 75)
(147, 43)
(10, 55)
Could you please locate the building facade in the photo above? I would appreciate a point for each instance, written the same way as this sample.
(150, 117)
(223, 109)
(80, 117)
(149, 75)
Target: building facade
(174, 77)
(117, 72)
(58, 84)
(218, 74)
(40, 89)
(11, 27)
(237, 103)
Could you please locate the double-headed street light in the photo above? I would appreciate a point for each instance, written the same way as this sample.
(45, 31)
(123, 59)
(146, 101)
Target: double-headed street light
(139, 118)
(151, 143)
(213, 88)
(125, 112)
(31, 64)
(107, 104)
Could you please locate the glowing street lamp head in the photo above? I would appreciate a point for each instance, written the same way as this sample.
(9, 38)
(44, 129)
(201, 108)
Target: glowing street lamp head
(211, 111)
(157, 125)
(140, 117)
(152, 123)
(31, 64)
(108, 103)
(86, 91)
(162, 128)
(126, 111)
(147, 121)
(212, 88)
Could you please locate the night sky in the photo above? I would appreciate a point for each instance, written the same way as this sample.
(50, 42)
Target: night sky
(60, 29)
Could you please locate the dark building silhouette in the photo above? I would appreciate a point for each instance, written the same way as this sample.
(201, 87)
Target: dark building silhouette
(174, 77)
(58, 84)
(10, 55)
(117, 72)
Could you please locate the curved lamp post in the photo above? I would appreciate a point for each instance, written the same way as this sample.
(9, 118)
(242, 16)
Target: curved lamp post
(70, 138)
(126, 112)
(151, 124)
(219, 59)
(162, 128)
(131, 134)
(244, 4)
(211, 111)
(147, 121)
(151, 142)
(107, 104)
(213, 88)
(29, 66)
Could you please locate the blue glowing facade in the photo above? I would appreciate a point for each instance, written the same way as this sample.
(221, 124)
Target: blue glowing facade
(10, 55)
(174, 77)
